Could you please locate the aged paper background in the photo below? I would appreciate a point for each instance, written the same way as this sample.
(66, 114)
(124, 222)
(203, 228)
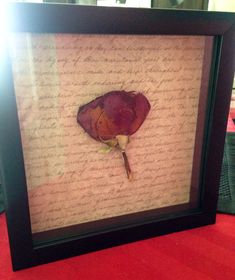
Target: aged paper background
(69, 180)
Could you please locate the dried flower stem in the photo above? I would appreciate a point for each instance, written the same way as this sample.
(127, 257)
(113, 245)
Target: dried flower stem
(127, 166)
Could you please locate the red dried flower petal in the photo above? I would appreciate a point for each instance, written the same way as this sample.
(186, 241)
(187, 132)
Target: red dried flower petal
(115, 113)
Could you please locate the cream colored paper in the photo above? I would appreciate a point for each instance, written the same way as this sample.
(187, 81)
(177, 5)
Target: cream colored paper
(69, 180)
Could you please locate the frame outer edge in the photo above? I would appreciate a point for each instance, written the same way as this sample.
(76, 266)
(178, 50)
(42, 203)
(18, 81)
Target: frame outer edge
(19, 230)
(98, 20)
(219, 122)
(17, 213)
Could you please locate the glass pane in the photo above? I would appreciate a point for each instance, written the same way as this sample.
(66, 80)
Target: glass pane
(71, 181)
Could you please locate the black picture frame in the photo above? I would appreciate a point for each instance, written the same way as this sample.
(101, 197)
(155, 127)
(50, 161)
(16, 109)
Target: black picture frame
(51, 18)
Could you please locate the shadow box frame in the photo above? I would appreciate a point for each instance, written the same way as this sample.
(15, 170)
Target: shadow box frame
(52, 18)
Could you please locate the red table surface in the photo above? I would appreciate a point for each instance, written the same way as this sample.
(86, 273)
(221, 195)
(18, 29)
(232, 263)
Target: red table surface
(203, 253)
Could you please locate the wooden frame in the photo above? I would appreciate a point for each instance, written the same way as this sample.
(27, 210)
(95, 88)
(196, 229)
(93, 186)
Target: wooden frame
(26, 250)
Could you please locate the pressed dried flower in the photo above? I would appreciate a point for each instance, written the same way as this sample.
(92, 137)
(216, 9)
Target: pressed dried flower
(113, 117)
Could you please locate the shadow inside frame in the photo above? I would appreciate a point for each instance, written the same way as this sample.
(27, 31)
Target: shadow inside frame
(110, 224)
